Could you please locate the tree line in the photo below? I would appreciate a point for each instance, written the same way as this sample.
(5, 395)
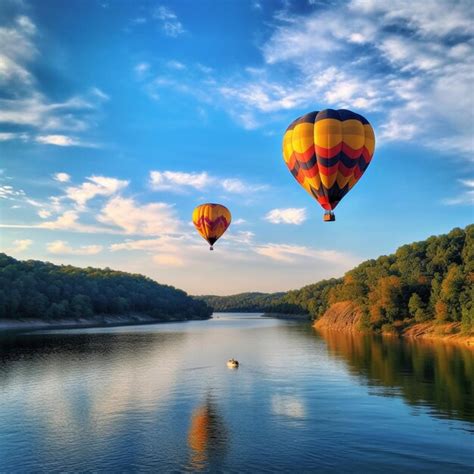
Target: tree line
(33, 289)
(431, 280)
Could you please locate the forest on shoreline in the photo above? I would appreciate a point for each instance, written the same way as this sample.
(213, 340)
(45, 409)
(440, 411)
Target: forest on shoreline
(427, 281)
(39, 290)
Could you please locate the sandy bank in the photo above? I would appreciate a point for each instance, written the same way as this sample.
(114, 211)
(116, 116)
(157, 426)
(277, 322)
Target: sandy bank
(96, 321)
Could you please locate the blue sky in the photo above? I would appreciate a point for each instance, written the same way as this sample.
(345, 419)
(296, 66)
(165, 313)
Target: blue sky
(117, 118)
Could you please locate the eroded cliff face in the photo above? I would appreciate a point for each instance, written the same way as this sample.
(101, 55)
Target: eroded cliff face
(342, 316)
(345, 316)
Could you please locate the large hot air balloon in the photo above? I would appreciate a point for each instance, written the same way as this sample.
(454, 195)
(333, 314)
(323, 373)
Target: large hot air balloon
(327, 152)
(211, 221)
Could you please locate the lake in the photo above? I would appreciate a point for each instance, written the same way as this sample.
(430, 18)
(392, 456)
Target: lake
(160, 398)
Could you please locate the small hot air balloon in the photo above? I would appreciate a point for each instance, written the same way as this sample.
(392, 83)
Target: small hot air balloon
(211, 221)
(327, 152)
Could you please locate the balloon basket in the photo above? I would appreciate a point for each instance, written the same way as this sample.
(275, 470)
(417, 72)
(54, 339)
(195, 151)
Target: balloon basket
(211, 248)
(329, 217)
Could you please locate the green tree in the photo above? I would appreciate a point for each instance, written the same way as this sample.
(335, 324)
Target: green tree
(451, 289)
(417, 309)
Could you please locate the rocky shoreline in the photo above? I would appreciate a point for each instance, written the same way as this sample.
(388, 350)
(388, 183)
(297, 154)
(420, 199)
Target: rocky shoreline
(344, 316)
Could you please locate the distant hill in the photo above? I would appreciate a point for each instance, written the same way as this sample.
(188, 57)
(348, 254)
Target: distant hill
(38, 290)
(431, 280)
(242, 302)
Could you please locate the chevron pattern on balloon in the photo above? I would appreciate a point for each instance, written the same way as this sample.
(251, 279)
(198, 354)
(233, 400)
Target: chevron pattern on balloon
(211, 221)
(327, 152)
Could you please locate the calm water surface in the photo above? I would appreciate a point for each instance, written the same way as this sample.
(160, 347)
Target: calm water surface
(160, 398)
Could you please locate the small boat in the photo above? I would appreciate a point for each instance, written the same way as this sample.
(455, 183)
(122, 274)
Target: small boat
(232, 363)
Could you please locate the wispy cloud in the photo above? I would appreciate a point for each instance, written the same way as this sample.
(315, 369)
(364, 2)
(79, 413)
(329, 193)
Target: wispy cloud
(95, 186)
(62, 177)
(237, 186)
(163, 243)
(62, 140)
(141, 69)
(465, 195)
(289, 215)
(68, 221)
(179, 181)
(36, 110)
(169, 22)
(44, 213)
(9, 192)
(296, 253)
(173, 64)
(21, 245)
(165, 250)
(60, 247)
(145, 219)
(409, 68)
(7, 136)
(18, 49)
(24, 105)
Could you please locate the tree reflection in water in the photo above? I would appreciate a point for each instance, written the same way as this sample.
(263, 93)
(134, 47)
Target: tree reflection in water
(433, 374)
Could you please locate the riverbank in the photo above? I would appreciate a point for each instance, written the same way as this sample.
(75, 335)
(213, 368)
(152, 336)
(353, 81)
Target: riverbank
(344, 316)
(94, 322)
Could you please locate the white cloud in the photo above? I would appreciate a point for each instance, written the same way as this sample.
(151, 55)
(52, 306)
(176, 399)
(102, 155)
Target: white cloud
(20, 245)
(176, 65)
(132, 218)
(58, 140)
(298, 253)
(60, 247)
(9, 192)
(239, 221)
(165, 250)
(176, 180)
(164, 244)
(237, 186)
(44, 214)
(66, 221)
(465, 195)
(141, 69)
(62, 177)
(69, 221)
(23, 105)
(408, 67)
(7, 136)
(169, 21)
(244, 237)
(35, 110)
(431, 18)
(100, 94)
(289, 215)
(95, 186)
(17, 49)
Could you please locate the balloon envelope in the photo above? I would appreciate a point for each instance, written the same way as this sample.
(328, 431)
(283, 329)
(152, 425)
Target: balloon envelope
(211, 221)
(327, 152)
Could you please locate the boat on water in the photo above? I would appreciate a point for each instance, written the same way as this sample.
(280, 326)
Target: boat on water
(232, 363)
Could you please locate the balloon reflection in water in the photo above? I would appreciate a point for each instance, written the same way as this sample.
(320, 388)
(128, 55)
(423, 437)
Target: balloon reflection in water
(207, 437)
